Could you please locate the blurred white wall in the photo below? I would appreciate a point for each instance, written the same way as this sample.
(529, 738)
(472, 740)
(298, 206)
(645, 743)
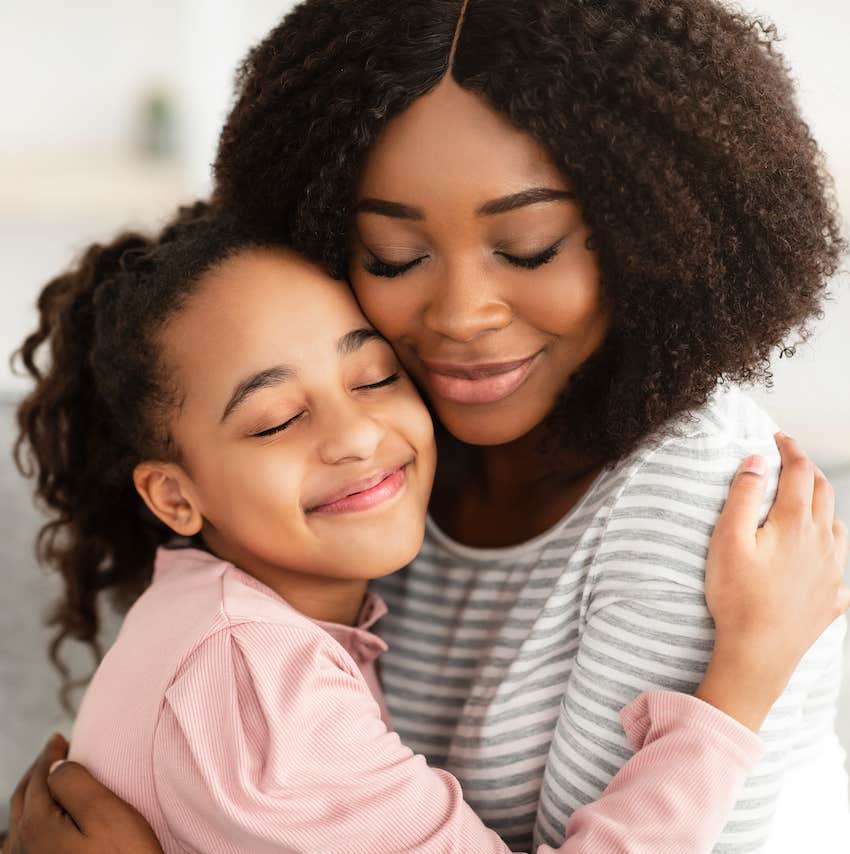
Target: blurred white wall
(74, 77)
(811, 398)
(73, 81)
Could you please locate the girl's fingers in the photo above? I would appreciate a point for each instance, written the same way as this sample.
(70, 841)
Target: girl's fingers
(741, 513)
(843, 600)
(842, 541)
(795, 492)
(823, 500)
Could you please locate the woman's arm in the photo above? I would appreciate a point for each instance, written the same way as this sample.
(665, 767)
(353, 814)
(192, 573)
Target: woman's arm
(69, 812)
(689, 754)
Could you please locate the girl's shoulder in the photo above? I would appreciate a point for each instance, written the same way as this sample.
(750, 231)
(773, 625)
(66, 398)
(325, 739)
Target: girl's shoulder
(215, 607)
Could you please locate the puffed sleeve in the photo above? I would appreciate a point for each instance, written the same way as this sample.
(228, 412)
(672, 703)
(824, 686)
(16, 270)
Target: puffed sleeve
(270, 741)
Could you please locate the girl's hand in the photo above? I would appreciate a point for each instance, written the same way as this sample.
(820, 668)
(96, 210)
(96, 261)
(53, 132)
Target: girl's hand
(69, 812)
(772, 590)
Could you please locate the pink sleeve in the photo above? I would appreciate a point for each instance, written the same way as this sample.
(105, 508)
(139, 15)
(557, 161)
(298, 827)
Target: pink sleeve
(269, 740)
(676, 792)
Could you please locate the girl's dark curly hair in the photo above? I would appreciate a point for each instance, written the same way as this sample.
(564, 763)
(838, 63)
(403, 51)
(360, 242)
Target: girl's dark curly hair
(101, 404)
(674, 121)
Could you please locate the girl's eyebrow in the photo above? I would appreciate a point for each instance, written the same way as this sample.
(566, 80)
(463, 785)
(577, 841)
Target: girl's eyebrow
(348, 343)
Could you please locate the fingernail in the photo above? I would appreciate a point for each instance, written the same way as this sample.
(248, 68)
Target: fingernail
(755, 464)
(54, 738)
(55, 765)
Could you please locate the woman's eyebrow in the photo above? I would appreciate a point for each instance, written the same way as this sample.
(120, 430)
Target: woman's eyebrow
(348, 343)
(533, 196)
(396, 210)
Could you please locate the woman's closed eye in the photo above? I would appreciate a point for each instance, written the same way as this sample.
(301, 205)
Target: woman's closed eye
(378, 267)
(386, 269)
(531, 262)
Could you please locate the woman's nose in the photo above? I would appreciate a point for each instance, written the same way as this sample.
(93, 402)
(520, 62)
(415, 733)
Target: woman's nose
(463, 307)
(350, 434)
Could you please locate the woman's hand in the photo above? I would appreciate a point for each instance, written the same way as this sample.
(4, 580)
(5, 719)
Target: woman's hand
(772, 590)
(69, 812)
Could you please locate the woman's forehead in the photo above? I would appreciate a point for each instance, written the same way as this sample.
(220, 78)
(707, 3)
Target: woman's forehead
(449, 139)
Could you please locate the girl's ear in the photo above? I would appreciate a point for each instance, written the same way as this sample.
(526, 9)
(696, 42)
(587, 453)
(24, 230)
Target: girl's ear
(168, 493)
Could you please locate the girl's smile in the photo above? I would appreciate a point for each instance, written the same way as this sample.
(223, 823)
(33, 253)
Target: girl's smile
(365, 494)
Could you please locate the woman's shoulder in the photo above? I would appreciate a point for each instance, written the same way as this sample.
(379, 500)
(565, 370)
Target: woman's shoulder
(708, 444)
(679, 481)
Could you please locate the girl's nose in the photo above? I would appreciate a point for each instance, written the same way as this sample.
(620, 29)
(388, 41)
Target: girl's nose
(463, 307)
(350, 434)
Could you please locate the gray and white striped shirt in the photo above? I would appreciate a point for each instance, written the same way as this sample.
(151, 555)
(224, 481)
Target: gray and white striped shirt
(509, 666)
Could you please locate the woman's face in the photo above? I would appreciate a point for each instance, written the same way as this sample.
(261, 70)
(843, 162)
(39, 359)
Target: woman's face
(470, 255)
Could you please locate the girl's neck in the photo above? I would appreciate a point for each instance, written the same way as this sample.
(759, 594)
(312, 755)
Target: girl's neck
(323, 598)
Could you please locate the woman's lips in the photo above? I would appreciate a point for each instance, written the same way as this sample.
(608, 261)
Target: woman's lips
(477, 383)
(370, 493)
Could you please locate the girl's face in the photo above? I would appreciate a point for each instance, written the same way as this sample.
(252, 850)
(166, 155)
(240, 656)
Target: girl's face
(470, 256)
(304, 444)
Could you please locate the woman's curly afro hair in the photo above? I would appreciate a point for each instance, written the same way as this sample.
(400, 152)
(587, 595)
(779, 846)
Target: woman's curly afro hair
(675, 123)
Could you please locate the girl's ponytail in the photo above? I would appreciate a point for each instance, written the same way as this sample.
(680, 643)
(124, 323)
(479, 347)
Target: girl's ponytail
(98, 407)
(98, 537)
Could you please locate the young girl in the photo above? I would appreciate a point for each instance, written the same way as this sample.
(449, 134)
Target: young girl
(218, 410)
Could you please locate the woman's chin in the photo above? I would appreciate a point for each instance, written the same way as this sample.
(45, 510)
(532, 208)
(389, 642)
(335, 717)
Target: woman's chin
(487, 424)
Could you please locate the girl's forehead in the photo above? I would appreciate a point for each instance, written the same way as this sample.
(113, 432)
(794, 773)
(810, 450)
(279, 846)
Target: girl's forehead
(261, 302)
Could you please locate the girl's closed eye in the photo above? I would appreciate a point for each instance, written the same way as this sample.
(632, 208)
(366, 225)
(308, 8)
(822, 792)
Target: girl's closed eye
(392, 378)
(279, 428)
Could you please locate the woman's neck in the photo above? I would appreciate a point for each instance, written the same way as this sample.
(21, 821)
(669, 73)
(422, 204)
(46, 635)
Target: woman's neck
(506, 494)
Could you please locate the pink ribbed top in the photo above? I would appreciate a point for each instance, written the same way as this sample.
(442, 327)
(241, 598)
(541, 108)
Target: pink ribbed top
(236, 724)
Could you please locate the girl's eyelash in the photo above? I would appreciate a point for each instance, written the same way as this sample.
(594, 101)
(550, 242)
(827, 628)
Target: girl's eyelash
(279, 429)
(377, 267)
(392, 378)
(533, 261)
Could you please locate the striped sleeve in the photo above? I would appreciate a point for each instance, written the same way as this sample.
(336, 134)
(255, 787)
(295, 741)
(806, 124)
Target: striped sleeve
(645, 626)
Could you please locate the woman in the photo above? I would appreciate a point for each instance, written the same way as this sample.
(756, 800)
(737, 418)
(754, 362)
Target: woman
(571, 219)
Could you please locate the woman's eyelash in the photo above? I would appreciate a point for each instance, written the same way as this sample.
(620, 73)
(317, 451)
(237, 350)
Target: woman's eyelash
(377, 267)
(531, 262)
(392, 378)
